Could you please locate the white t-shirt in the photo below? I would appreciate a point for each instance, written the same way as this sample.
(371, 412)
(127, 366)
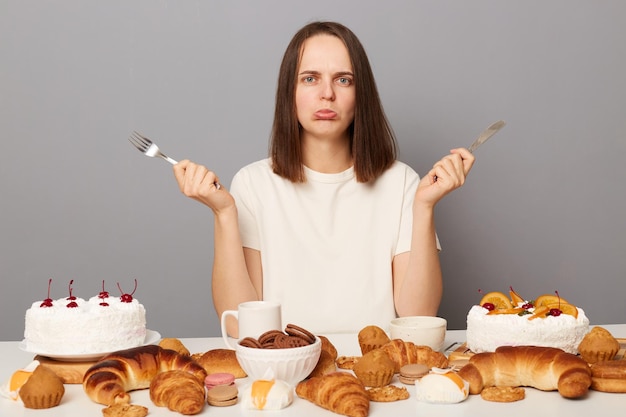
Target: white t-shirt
(327, 244)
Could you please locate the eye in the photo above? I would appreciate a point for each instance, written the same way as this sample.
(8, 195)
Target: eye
(309, 79)
(344, 81)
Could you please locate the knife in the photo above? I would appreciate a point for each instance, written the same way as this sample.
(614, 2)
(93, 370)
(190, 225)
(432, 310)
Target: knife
(486, 134)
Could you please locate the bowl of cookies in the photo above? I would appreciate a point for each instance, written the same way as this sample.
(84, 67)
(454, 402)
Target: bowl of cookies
(288, 355)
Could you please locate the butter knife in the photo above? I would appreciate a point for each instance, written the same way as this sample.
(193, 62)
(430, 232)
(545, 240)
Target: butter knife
(487, 133)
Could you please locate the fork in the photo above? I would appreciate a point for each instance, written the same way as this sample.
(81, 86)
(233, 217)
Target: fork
(148, 148)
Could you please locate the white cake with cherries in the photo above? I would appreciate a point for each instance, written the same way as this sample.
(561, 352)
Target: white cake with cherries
(525, 323)
(75, 326)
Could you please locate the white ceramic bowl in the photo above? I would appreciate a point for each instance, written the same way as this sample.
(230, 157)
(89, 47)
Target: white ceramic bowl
(421, 330)
(291, 365)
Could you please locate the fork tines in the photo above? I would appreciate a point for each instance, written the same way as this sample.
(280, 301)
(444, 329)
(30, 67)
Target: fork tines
(140, 142)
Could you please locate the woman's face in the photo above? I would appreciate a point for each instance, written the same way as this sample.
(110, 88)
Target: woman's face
(325, 93)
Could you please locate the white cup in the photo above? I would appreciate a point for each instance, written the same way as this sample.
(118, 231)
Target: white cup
(253, 319)
(421, 330)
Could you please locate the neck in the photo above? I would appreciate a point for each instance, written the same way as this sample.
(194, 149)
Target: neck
(327, 156)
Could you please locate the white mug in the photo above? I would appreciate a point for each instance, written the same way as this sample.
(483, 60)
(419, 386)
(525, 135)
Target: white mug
(253, 319)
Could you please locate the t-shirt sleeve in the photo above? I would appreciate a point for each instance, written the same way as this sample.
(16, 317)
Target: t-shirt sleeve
(244, 200)
(411, 182)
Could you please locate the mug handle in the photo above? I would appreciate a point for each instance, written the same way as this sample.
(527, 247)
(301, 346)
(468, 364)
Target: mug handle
(226, 313)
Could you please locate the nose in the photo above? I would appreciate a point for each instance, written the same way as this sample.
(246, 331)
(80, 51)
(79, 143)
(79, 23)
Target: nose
(327, 91)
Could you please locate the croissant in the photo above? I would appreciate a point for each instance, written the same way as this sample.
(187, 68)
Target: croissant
(107, 381)
(544, 368)
(339, 392)
(179, 391)
(404, 353)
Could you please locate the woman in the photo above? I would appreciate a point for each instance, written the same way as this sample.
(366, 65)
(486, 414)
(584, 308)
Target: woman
(331, 225)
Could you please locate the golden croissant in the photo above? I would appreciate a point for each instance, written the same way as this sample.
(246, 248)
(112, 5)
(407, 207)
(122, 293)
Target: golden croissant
(544, 368)
(404, 353)
(339, 392)
(179, 391)
(109, 380)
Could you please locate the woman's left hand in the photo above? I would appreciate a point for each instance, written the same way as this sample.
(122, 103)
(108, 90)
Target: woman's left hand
(447, 175)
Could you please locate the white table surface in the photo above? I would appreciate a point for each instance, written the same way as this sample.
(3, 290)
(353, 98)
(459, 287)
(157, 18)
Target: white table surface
(76, 404)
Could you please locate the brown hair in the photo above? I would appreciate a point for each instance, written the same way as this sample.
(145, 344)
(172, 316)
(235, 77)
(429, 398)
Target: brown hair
(372, 142)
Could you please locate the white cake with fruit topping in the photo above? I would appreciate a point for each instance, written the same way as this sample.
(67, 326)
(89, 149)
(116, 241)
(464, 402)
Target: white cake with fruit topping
(75, 326)
(548, 321)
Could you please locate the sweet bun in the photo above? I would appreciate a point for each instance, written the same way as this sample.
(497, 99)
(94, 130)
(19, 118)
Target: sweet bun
(372, 337)
(175, 345)
(325, 365)
(43, 389)
(375, 369)
(598, 345)
(328, 347)
(221, 361)
(609, 376)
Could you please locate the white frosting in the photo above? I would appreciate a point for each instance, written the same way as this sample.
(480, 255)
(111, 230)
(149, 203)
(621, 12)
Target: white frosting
(86, 329)
(486, 332)
(441, 387)
(279, 396)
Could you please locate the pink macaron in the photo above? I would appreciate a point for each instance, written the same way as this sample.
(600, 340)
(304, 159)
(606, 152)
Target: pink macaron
(219, 378)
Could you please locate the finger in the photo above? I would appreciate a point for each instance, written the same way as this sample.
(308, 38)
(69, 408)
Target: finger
(179, 170)
(467, 157)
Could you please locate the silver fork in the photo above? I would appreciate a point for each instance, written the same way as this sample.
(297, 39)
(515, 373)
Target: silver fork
(148, 148)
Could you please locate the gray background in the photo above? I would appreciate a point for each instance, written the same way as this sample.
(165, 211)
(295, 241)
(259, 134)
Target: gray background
(543, 209)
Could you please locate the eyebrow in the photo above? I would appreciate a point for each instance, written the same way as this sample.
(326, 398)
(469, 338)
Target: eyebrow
(339, 73)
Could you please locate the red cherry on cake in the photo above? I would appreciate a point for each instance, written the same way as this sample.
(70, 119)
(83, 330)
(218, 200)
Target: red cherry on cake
(103, 293)
(489, 306)
(127, 298)
(527, 306)
(556, 311)
(48, 301)
(72, 303)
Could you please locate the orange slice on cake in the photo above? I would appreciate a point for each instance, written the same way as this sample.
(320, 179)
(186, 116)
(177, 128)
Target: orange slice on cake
(515, 310)
(546, 299)
(498, 299)
(516, 299)
(565, 308)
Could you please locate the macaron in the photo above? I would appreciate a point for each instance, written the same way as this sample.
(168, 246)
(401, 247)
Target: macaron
(219, 378)
(409, 373)
(222, 395)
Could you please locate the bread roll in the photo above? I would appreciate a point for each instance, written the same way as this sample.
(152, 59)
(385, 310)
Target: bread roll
(544, 368)
(108, 381)
(221, 361)
(339, 392)
(404, 353)
(609, 376)
(179, 391)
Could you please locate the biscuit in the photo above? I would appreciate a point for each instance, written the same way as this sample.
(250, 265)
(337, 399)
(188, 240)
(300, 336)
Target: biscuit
(250, 342)
(268, 337)
(503, 394)
(125, 410)
(388, 393)
(297, 331)
(409, 373)
(222, 395)
(346, 362)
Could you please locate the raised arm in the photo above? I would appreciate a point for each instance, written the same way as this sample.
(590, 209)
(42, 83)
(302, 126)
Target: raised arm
(418, 285)
(231, 281)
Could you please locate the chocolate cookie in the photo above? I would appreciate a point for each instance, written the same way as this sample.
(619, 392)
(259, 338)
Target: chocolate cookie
(250, 342)
(298, 331)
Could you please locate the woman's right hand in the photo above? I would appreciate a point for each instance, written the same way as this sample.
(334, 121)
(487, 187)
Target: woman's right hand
(198, 182)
